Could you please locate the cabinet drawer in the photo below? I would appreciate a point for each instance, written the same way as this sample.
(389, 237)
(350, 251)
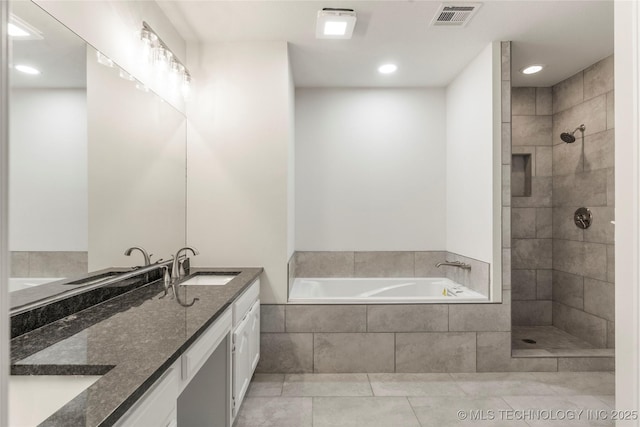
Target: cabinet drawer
(157, 407)
(199, 352)
(243, 304)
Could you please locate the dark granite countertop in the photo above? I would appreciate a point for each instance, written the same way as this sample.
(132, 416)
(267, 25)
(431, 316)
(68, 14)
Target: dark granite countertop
(130, 340)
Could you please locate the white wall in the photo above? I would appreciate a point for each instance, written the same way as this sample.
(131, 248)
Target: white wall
(470, 160)
(113, 27)
(239, 133)
(48, 172)
(627, 179)
(291, 171)
(370, 170)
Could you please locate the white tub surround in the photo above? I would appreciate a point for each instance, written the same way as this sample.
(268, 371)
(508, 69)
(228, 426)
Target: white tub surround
(412, 290)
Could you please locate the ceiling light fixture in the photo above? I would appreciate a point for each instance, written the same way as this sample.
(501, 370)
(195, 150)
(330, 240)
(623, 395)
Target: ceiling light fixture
(27, 69)
(532, 69)
(387, 68)
(335, 23)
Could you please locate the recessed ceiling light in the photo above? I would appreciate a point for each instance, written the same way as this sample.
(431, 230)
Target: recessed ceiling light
(532, 69)
(387, 68)
(14, 31)
(335, 28)
(27, 69)
(335, 23)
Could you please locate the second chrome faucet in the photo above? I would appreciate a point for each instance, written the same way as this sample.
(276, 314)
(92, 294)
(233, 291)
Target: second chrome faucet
(177, 270)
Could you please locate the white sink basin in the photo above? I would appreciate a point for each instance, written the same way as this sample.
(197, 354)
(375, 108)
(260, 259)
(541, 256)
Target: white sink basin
(33, 398)
(209, 280)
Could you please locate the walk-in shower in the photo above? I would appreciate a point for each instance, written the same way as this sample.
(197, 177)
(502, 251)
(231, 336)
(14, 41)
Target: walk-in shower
(562, 208)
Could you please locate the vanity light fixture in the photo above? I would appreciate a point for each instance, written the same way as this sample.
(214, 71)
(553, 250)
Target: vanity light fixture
(335, 23)
(142, 87)
(14, 31)
(126, 76)
(20, 30)
(104, 59)
(532, 69)
(157, 54)
(27, 69)
(387, 68)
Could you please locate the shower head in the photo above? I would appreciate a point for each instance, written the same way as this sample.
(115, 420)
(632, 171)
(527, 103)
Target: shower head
(569, 137)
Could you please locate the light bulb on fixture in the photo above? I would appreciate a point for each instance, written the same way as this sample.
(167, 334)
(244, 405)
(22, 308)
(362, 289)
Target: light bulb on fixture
(176, 75)
(14, 31)
(186, 85)
(163, 58)
(149, 41)
(126, 76)
(104, 60)
(142, 87)
(164, 69)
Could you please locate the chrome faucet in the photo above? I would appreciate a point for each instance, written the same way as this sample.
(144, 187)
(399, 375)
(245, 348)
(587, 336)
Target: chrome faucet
(147, 256)
(176, 274)
(455, 264)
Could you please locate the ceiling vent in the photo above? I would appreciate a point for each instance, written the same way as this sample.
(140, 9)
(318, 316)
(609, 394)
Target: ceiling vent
(455, 14)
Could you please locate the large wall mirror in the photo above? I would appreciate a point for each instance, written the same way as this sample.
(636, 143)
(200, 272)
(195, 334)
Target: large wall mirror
(97, 161)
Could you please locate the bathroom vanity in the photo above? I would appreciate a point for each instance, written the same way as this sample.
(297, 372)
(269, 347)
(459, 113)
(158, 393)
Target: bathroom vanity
(151, 360)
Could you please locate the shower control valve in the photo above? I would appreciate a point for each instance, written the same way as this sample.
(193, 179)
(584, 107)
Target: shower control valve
(583, 218)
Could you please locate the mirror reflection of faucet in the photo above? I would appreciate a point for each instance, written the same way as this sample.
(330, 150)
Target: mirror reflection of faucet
(147, 256)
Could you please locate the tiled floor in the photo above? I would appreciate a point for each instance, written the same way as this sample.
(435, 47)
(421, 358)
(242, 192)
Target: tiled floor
(425, 400)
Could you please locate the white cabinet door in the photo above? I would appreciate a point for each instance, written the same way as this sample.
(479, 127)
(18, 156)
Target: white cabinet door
(246, 354)
(254, 336)
(241, 362)
(157, 407)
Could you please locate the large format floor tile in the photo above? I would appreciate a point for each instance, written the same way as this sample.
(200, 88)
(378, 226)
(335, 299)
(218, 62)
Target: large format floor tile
(579, 383)
(266, 385)
(502, 384)
(414, 385)
(425, 400)
(363, 412)
(326, 385)
(275, 412)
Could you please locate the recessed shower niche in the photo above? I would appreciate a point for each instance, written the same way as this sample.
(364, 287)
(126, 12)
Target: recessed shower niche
(521, 167)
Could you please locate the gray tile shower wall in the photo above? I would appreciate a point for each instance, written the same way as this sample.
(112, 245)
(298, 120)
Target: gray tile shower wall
(389, 264)
(48, 263)
(532, 214)
(583, 260)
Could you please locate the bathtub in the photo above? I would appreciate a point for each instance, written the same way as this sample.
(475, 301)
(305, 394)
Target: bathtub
(414, 290)
(19, 283)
